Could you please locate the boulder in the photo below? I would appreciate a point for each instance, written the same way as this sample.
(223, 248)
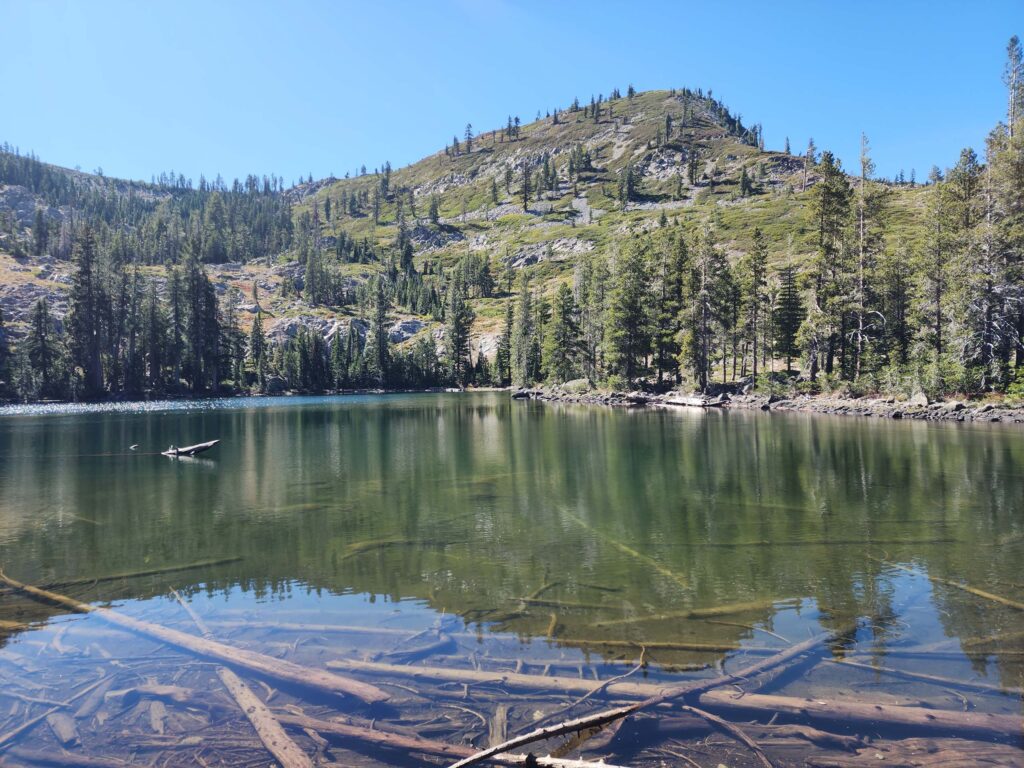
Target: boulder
(919, 400)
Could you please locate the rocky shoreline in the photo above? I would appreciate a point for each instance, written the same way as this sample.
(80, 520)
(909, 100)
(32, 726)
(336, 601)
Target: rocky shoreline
(917, 408)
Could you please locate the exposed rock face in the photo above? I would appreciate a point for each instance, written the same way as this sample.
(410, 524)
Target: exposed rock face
(405, 329)
(17, 301)
(22, 204)
(554, 250)
(432, 238)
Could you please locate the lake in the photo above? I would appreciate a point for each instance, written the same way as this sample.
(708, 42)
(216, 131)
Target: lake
(374, 534)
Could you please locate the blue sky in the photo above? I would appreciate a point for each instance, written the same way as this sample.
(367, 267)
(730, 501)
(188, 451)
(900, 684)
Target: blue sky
(323, 87)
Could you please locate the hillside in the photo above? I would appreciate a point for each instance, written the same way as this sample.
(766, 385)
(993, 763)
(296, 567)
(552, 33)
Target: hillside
(599, 177)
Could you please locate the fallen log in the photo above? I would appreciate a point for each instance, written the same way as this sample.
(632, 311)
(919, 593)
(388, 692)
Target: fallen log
(406, 743)
(266, 666)
(278, 743)
(693, 688)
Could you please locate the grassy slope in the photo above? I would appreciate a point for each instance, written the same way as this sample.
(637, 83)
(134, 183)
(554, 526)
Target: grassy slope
(463, 184)
(463, 187)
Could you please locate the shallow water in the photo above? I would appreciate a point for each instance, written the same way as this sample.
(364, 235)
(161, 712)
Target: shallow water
(563, 534)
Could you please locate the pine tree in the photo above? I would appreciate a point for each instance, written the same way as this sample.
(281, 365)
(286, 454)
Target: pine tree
(745, 184)
(469, 138)
(670, 281)
(378, 346)
(215, 232)
(789, 315)
(830, 212)
(503, 355)
(526, 188)
(458, 323)
(85, 304)
(870, 205)
(40, 233)
(562, 338)
(523, 336)
(810, 159)
(258, 351)
(628, 321)
(1013, 78)
(42, 353)
(753, 282)
(709, 275)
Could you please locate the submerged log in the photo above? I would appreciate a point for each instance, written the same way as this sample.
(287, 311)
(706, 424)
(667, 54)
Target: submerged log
(933, 679)
(407, 743)
(627, 690)
(64, 759)
(277, 669)
(875, 716)
(924, 753)
(9, 736)
(64, 729)
(663, 570)
(139, 574)
(732, 730)
(270, 732)
(693, 688)
(696, 613)
(1016, 605)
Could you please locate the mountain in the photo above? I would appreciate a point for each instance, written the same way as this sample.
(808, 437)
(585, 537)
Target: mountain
(598, 179)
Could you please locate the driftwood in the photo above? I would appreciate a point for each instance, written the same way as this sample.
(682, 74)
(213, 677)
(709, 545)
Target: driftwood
(693, 688)
(277, 669)
(277, 742)
(408, 743)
